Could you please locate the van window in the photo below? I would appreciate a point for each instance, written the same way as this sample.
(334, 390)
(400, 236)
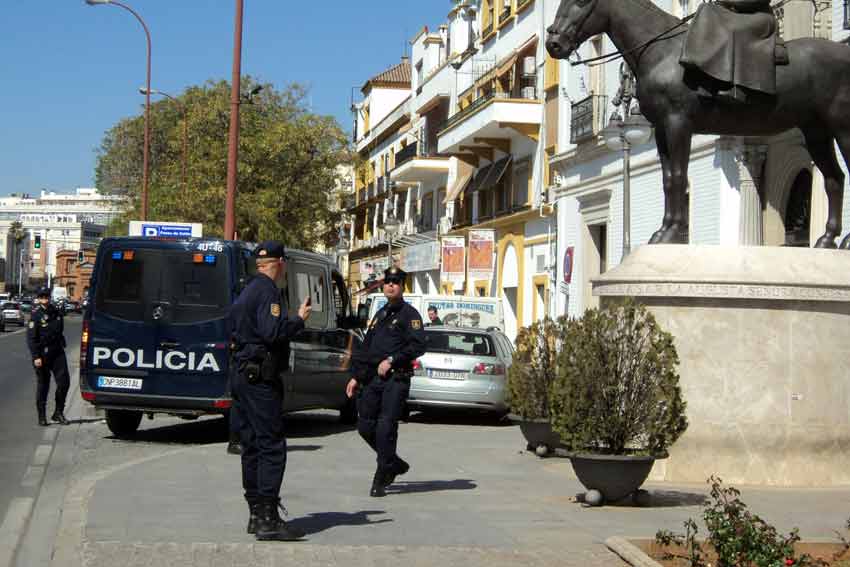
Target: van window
(191, 291)
(311, 281)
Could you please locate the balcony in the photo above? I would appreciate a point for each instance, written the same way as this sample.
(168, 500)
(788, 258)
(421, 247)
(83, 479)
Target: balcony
(488, 29)
(587, 118)
(506, 14)
(414, 165)
(493, 115)
(370, 191)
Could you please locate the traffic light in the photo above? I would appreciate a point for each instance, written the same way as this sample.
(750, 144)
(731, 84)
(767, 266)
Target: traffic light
(80, 256)
(37, 241)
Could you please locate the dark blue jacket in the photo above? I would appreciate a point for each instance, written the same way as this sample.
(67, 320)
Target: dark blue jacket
(396, 330)
(259, 321)
(45, 332)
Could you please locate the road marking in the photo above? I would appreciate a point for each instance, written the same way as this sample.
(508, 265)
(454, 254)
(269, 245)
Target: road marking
(8, 334)
(33, 476)
(42, 455)
(12, 528)
(50, 434)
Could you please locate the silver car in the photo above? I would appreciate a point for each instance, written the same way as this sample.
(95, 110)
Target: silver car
(11, 313)
(462, 368)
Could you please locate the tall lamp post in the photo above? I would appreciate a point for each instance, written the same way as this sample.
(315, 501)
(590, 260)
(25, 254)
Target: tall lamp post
(233, 139)
(147, 144)
(621, 134)
(182, 108)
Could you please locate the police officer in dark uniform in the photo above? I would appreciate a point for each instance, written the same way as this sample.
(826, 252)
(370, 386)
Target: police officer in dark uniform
(382, 368)
(262, 331)
(46, 342)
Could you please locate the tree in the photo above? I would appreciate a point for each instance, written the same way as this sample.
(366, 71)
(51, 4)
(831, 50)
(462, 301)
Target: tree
(287, 164)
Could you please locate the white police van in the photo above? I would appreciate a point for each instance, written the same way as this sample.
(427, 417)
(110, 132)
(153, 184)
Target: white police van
(155, 333)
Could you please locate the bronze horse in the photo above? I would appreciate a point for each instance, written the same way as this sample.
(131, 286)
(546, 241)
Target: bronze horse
(812, 94)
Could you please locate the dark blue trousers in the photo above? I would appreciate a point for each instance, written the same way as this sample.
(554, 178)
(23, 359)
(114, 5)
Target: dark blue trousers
(379, 406)
(263, 440)
(57, 365)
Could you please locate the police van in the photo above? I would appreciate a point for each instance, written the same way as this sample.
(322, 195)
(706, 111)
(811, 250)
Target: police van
(155, 333)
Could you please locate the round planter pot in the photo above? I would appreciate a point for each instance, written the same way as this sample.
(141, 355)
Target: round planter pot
(539, 435)
(615, 476)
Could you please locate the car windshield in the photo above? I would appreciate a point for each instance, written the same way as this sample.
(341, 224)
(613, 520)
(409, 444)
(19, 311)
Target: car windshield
(459, 342)
(11, 306)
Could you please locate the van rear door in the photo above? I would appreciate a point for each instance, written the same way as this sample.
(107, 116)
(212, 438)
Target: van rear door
(159, 319)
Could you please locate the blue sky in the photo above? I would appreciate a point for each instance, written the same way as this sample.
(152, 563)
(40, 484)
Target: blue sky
(70, 71)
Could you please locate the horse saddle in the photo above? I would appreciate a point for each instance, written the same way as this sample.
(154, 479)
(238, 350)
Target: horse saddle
(735, 46)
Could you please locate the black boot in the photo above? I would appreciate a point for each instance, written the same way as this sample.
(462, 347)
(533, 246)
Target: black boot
(399, 468)
(378, 484)
(270, 526)
(42, 415)
(59, 417)
(234, 447)
(252, 517)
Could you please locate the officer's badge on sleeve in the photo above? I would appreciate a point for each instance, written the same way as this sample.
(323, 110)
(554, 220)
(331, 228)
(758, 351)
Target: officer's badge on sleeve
(416, 324)
(275, 310)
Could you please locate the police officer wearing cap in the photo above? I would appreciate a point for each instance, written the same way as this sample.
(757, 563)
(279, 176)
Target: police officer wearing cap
(46, 341)
(261, 332)
(382, 367)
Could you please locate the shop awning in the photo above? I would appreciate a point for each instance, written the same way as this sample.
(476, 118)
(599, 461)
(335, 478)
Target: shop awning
(497, 171)
(478, 183)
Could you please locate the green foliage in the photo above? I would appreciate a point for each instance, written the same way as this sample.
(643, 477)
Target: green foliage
(286, 164)
(617, 389)
(533, 369)
(738, 537)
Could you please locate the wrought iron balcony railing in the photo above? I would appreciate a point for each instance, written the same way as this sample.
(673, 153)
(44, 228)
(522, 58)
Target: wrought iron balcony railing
(588, 118)
(521, 4)
(407, 153)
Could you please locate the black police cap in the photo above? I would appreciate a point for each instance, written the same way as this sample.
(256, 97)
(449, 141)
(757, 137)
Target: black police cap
(395, 272)
(270, 249)
(43, 292)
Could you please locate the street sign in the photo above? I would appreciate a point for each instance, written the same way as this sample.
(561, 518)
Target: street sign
(165, 229)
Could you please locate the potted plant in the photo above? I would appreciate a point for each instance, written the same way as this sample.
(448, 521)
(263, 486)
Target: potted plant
(530, 379)
(616, 401)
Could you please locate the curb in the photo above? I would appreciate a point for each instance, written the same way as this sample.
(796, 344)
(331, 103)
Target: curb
(630, 553)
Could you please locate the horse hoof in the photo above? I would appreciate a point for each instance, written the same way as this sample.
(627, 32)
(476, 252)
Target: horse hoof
(845, 244)
(827, 242)
(657, 236)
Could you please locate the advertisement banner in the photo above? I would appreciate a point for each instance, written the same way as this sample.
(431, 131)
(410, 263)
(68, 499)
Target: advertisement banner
(482, 247)
(453, 267)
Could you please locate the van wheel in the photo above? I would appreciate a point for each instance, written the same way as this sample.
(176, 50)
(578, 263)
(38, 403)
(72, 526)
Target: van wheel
(123, 423)
(348, 413)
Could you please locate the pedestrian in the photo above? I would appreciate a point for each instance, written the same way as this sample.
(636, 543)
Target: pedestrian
(262, 332)
(381, 370)
(46, 341)
(432, 317)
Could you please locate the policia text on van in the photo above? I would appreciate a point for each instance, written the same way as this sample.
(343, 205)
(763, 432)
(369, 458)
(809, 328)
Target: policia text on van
(155, 336)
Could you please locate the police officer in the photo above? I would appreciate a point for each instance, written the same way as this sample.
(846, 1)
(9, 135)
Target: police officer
(262, 333)
(46, 342)
(382, 367)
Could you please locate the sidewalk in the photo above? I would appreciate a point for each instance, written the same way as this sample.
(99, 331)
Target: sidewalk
(472, 497)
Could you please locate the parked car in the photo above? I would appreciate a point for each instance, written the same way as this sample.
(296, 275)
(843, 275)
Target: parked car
(11, 313)
(462, 368)
(26, 305)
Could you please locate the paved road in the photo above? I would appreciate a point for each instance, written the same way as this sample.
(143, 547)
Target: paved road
(19, 431)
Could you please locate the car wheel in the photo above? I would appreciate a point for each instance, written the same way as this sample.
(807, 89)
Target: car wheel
(123, 423)
(348, 413)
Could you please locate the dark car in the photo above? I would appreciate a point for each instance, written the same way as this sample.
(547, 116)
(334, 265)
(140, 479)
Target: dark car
(155, 333)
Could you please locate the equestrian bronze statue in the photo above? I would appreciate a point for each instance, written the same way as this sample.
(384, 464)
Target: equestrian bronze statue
(688, 84)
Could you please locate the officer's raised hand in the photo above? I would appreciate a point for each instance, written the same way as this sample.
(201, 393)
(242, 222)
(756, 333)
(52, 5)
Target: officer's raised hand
(305, 309)
(37, 362)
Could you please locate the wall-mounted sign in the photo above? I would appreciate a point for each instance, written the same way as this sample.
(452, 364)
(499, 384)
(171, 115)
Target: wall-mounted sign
(482, 246)
(568, 264)
(453, 255)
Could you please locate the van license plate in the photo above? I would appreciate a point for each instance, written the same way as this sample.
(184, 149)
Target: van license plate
(118, 382)
(446, 374)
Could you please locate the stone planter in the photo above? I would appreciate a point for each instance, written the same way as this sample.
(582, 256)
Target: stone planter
(613, 476)
(539, 435)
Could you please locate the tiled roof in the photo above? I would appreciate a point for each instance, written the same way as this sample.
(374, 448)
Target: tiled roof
(398, 74)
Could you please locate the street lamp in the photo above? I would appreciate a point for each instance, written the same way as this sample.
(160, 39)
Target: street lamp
(182, 108)
(391, 228)
(146, 151)
(621, 134)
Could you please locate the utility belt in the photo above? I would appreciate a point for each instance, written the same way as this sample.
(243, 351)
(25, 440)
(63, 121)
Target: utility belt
(399, 375)
(263, 366)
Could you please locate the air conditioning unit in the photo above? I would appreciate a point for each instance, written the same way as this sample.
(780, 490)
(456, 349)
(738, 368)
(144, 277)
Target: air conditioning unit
(529, 66)
(529, 93)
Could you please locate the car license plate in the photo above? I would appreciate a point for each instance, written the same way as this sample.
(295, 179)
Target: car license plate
(119, 383)
(446, 374)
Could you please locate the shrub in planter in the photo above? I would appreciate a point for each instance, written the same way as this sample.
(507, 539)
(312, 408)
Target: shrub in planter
(530, 379)
(617, 390)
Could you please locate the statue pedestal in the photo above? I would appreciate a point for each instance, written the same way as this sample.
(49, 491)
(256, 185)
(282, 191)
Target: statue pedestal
(765, 364)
